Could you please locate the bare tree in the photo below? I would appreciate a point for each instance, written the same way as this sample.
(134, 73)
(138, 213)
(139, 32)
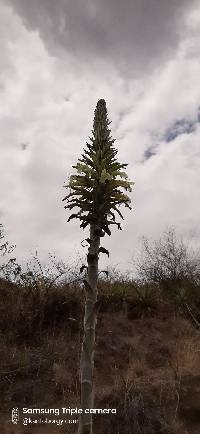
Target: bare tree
(9, 268)
(167, 260)
(95, 191)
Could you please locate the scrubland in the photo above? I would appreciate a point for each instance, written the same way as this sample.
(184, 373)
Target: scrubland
(147, 352)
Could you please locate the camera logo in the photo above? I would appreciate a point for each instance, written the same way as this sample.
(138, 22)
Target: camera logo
(15, 415)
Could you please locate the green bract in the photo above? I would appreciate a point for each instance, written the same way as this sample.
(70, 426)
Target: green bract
(96, 188)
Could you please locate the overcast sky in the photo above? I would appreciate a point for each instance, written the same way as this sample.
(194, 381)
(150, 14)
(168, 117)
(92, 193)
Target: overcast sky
(57, 59)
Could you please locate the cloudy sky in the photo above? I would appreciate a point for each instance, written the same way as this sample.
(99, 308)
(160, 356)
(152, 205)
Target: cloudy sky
(57, 59)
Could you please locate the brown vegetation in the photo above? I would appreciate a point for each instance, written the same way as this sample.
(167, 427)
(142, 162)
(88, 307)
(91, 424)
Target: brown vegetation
(147, 355)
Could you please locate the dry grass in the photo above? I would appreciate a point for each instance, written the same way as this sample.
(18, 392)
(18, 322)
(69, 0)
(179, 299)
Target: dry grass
(144, 353)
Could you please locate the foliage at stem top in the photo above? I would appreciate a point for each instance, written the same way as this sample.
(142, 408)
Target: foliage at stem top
(95, 188)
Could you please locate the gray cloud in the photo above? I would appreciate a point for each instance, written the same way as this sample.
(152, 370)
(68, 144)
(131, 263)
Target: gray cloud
(131, 34)
(148, 153)
(49, 102)
(182, 126)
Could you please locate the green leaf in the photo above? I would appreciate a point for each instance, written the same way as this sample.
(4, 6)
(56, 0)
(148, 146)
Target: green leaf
(105, 176)
(74, 216)
(103, 250)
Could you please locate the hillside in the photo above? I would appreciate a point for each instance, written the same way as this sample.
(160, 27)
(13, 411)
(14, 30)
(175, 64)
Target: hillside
(147, 358)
